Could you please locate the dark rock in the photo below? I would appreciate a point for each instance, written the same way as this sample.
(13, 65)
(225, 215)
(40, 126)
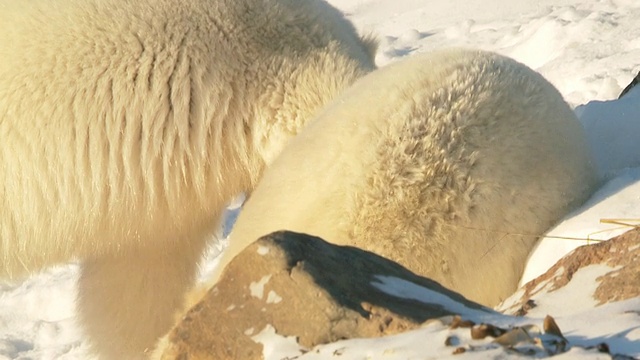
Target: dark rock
(631, 85)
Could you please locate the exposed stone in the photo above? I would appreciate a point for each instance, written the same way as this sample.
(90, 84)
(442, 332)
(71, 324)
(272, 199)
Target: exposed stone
(621, 253)
(308, 289)
(631, 85)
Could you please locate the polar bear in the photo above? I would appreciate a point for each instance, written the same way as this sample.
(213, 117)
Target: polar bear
(450, 163)
(126, 125)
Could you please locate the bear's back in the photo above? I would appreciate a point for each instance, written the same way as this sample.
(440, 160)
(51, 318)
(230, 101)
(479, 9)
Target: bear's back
(449, 163)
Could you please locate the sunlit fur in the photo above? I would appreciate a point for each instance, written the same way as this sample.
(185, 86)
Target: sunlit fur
(438, 162)
(127, 125)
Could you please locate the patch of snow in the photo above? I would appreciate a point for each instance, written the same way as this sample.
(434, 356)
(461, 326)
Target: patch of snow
(575, 297)
(616, 324)
(619, 198)
(273, 298)
(257, 288)
(263, 250)
(405, 289)
(276, 346)
(612, 129)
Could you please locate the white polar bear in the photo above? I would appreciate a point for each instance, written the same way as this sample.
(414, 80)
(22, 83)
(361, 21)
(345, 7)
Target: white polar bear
(451, 164)
(126, 125)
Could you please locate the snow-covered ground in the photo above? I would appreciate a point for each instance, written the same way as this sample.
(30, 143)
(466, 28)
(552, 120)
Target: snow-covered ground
(589, 49)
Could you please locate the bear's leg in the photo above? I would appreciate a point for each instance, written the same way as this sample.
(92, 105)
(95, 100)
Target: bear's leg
(127, 302)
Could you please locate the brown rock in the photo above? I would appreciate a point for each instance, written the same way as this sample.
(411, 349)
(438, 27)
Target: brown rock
(303, 287)
(622, 253)
(483, 330)
(457, 322)
(551, 327)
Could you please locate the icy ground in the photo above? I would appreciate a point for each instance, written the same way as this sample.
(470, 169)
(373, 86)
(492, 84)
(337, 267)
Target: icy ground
(589, 49)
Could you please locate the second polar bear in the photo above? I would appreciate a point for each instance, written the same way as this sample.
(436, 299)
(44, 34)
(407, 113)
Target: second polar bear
(127, 125)
(449, 163)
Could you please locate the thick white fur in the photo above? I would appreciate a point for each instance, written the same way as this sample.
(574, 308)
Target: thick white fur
(438, 162)
(126, 125)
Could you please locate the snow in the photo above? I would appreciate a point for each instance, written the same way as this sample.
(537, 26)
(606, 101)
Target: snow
(263, 250)
(273, 297)
(574, 298)
(257, 288)
(612, 128)
(276, 346)
(589, 49)
(408, 290)
(617, 199)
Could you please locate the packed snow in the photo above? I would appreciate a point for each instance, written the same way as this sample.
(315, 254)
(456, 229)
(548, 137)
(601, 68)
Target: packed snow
(589, 49)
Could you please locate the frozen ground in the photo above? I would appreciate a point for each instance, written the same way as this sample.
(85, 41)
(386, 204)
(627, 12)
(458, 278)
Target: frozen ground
(590, 49)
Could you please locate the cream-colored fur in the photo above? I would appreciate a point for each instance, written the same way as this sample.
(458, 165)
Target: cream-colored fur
(126, 125)
(438, 162)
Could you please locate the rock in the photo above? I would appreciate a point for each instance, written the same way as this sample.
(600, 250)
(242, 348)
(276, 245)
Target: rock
(631, 85)
(305, 288)
(620, 281)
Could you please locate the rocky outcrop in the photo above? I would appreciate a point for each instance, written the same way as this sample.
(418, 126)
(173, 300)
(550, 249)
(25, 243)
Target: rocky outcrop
(307, 292)
(618, 280)
(303, 287)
